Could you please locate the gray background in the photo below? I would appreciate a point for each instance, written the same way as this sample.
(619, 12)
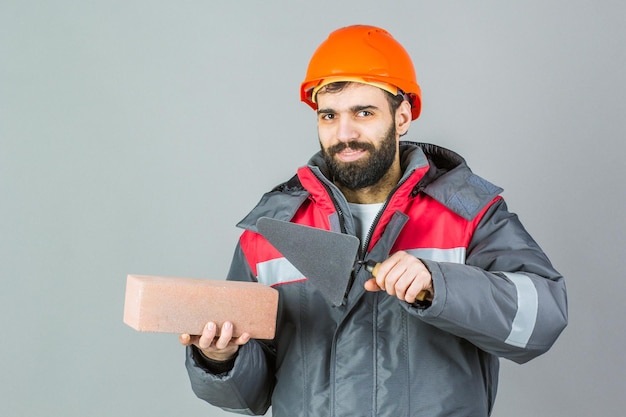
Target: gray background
(135, 134)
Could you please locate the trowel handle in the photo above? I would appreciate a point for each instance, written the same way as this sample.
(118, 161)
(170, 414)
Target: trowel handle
(372, 267)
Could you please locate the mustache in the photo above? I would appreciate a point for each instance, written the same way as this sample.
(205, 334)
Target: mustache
(355, 145)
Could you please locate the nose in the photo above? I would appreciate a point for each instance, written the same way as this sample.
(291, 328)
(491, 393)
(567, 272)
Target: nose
(346, 130)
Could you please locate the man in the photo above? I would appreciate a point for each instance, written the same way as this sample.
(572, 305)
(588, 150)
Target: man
(437, 227)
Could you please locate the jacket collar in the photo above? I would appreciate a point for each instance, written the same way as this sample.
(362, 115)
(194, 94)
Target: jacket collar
(436, 171)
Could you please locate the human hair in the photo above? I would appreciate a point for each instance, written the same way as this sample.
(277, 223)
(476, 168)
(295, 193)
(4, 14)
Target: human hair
(393, 100)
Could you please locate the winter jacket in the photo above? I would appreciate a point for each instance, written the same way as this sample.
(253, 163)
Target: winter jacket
(496, 294)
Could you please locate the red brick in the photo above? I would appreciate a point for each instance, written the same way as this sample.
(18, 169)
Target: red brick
(185, 305)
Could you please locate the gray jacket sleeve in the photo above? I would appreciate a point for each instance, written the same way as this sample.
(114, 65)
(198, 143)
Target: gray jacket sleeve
(247, 388)
(507, 299)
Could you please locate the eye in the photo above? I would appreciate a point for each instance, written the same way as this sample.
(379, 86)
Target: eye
(326, 116)
(364, 113)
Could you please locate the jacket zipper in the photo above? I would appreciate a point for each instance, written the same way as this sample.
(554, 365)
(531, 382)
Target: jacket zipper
(340, 213)
(363, 249)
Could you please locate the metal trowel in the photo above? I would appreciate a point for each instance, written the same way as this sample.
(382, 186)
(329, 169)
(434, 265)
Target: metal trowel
(326, 258)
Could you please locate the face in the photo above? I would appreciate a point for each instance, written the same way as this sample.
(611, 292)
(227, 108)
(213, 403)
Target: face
(358, 135)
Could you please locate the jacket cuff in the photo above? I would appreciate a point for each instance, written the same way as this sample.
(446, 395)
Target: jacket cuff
(218, 368)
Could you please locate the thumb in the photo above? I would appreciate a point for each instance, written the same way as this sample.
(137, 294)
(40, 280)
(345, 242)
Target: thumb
(184, 339)
(370, 285)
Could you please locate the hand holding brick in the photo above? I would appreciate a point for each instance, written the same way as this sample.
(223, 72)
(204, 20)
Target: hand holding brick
(185, 305)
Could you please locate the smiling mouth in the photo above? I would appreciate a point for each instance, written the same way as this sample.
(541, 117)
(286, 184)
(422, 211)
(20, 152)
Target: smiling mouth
(350, 154)
(350, 151)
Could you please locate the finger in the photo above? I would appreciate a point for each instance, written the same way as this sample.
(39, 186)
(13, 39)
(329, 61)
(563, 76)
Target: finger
(208, 335)
(225, 337)
(412, 274)
(383, 277)
(401, 286)
(412, 292)
(397, 279)
(389, 271)
(421, 288)
(243, 339)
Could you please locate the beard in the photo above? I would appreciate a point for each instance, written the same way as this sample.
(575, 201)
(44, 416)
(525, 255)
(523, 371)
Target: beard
(364, 172)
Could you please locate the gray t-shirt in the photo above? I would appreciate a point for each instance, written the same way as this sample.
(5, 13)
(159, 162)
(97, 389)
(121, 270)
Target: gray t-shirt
(364, 215)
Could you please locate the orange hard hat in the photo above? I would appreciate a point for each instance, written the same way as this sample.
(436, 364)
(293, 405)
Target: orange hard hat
(362, 53)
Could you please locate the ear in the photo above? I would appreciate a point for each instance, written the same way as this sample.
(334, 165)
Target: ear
(403, 118)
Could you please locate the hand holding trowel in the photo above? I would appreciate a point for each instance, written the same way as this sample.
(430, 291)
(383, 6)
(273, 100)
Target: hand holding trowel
(326, 258)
